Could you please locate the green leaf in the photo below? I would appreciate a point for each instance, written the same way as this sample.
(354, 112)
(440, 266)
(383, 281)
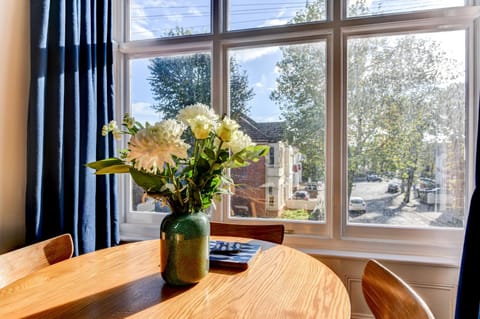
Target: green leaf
(210, 153)
(105, 163)
(113, 169)
(149, 182)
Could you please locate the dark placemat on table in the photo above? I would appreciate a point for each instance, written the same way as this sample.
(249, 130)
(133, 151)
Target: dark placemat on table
(240, 256)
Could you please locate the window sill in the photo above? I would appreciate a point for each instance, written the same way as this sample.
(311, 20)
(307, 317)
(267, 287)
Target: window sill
(136, 232)
(448, 262)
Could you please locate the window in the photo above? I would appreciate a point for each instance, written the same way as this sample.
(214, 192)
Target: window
(271, 156)
(249, 14)
(406, 133)
(150, 20)
(380, 7)
(368, 117)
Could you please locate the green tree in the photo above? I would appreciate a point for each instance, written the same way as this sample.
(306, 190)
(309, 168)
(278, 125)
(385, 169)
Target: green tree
(405, 77)
(184, 80)
(300, 94)
(402, 92)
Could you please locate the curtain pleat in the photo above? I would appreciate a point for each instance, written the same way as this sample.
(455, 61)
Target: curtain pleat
(71, 97)
(468, 293)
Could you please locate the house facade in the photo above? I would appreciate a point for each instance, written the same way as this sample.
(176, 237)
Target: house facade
(263, 187)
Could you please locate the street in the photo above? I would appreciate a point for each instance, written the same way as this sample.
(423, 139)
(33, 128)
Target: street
(386, 208)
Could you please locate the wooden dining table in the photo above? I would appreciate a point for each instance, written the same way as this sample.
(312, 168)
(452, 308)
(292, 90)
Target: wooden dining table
(125, 282)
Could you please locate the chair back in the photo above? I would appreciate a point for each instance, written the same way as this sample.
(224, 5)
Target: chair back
(388, 296)
(23, 261)
(272, 232)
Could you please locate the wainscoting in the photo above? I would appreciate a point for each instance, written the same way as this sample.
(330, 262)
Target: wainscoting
(437, 285)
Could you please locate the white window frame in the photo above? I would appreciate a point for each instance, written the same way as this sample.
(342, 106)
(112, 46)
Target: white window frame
(335, 237)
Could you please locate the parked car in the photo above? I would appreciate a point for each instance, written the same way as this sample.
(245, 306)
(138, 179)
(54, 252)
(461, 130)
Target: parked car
(393, 187)
(373, 178)
(357, 204)
(312, 190)
(301, 195)
(424, 185)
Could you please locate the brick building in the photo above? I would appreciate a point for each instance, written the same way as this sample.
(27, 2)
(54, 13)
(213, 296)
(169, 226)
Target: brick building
(262, 188)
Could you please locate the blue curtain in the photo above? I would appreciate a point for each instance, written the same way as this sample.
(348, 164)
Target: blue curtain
(468, 293)
(71, 97)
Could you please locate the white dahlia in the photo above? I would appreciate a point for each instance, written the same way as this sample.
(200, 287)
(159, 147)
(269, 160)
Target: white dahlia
(200, 118)
(155, 145)
(226, 129)
(239, 142)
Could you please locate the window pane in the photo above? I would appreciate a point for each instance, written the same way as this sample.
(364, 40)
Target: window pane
(406, 129)
(247, 14)
(277, 95)
(156, 19)
(358, 8)
(160, 87)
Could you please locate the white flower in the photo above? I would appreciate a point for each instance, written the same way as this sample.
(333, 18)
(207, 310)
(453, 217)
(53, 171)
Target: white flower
(112, 127)
(128, 121)
(201, 127)
(158, 161)
(155, 145)
(201, 119)
(226, 129)
(239, 142)
(105, 130)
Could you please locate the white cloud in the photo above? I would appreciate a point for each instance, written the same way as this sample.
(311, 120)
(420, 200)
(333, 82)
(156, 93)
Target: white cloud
(268, 118)
(255, 53)
(151, 18)
(139, 28)
(264, 82)
(273, 22)
(276, 70)
(195, 11)
(138, 31)
(143, 112)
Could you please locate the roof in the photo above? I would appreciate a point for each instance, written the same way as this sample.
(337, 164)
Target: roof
(263, 132)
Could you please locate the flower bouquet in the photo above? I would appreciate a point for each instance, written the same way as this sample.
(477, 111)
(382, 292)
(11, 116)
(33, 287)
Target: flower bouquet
(187, 177)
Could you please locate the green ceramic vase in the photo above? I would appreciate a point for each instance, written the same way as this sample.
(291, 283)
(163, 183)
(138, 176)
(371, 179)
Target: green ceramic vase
(184, 239)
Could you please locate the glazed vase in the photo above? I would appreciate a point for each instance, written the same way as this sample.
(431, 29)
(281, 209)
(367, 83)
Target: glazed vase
(184, 240)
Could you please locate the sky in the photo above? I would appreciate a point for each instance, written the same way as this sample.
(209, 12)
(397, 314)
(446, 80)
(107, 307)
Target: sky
(258, 63)
(153, 18)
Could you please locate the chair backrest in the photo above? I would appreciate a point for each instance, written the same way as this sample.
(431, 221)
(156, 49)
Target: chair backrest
(388, 296)
(272, 233)
(23, 261)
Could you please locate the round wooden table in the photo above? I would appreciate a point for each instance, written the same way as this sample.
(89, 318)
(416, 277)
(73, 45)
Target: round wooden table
(125, 282)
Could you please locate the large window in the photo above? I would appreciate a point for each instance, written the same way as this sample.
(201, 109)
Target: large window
(406, 129)
(367, 106)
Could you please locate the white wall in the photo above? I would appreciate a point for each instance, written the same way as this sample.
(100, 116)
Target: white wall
(14, 84)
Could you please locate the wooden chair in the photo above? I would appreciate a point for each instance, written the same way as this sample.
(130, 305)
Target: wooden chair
(388, 296)
(23, 261)
(272, 233)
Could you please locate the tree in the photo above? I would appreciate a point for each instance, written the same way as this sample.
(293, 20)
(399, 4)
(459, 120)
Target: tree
(406, 77)
(300, 94)
(183, 80)
(398, 101)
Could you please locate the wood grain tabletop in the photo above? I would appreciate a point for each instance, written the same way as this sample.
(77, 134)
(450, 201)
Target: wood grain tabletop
(125, 282)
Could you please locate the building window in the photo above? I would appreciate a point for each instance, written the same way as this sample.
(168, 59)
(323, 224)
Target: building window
(370, 105)
(271, 156)
(271, 201)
